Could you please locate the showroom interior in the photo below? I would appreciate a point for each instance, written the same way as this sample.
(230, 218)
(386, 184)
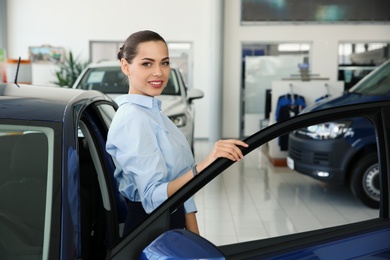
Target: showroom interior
(243, 62)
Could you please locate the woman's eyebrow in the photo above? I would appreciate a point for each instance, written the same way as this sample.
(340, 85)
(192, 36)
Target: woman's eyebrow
(150, 59)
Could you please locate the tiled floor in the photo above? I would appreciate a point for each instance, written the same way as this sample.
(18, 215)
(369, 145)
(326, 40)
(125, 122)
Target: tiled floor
(253, 200)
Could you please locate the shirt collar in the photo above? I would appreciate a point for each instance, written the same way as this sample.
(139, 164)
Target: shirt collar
(141, 100)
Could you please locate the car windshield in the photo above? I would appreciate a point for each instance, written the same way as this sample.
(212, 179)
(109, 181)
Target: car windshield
(377, 83)
(111, 80)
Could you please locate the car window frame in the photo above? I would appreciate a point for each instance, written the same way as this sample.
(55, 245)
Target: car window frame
(94, 124)
(156, 223)
(52, 225)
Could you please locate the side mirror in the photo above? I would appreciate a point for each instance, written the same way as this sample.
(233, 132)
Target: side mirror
(194, 94)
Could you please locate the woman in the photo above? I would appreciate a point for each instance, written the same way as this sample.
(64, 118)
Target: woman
(153, 158)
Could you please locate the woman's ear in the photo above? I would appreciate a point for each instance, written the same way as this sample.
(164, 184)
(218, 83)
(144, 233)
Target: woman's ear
(125, 66)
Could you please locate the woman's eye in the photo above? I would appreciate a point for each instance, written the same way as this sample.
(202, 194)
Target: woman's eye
(146, 64)
(166, 63)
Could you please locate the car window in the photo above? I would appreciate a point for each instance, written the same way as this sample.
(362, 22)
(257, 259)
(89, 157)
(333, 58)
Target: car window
(25, 190)
(105, 79)
(111, 80)
(261, 198)
(376, 84)
(173, 87)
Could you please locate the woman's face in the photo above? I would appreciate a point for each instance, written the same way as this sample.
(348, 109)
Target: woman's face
(149, 72)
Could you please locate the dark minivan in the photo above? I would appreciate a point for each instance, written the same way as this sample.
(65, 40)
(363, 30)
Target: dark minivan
(344, 152)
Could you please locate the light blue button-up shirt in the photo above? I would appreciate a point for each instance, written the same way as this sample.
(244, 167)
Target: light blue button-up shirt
(149, 151)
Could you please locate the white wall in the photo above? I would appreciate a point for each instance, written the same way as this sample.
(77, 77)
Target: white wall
(73, 23)
(324, 39)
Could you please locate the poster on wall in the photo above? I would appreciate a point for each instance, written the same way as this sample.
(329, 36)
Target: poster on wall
(46, 54)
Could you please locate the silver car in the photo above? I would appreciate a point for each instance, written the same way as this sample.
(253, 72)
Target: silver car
(107, 77)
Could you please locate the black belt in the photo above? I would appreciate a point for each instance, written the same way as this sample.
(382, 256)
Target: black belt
(136, 214)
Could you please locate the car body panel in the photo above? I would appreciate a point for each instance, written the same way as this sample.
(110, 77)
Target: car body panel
(57, 109)
(355, 243)
(181, 244)
(334, 155)
(373, 245)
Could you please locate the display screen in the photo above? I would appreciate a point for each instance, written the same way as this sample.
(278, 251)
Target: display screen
(319, 11)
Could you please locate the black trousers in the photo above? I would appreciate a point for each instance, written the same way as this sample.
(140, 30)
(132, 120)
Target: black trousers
(136, 214)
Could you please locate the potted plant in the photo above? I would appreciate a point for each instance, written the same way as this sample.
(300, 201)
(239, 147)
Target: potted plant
(70, 69)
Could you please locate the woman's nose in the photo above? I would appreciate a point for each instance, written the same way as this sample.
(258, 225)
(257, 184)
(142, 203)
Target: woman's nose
(157, 71)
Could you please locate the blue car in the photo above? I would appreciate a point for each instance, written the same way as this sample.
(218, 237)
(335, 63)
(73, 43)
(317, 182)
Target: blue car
(58, 198)
(344, 152)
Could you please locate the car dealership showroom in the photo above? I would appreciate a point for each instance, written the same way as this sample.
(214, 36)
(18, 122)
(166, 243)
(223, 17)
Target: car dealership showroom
(305, 84)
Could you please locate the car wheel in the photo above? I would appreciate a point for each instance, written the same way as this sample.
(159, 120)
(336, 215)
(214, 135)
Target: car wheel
(365, 181)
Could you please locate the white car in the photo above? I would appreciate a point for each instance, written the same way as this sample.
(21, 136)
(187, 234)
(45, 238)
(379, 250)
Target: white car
(107, 77)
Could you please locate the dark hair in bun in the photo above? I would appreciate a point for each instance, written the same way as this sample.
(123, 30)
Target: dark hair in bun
(130, 48)
(120, 53)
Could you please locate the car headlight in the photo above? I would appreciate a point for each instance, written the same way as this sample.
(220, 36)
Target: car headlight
(179, 120)
(329, 130)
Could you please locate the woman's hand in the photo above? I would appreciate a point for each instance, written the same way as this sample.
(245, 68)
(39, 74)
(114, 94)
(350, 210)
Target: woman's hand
(224, 149)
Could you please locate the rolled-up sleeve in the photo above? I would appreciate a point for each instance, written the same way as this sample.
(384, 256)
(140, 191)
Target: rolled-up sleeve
(190, 206)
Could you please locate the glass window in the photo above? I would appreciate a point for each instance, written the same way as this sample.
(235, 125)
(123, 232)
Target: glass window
(333, 183)
(105, 79)
(172, 87)
(378, 84)
(25, 184)
(358, 59)
(262, 64)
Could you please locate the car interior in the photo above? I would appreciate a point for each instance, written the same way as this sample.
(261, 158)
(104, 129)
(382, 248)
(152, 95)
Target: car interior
(93, 221)
(97, 209)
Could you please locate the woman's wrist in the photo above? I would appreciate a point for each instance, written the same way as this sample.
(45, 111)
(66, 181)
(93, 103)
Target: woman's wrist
(200, 167)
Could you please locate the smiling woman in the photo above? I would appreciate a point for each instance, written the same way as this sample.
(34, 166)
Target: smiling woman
(152, 157)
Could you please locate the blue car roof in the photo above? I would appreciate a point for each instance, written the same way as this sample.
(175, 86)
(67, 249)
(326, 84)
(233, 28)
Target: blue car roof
(29, 102)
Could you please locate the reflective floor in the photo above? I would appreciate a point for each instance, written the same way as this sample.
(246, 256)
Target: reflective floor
(254, 200)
